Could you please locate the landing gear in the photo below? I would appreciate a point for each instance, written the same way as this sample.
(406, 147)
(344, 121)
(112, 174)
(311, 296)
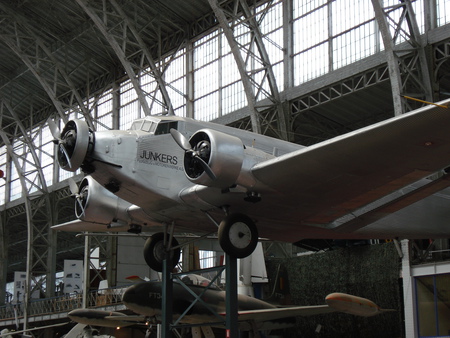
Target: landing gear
(155, 252)
(238, 235)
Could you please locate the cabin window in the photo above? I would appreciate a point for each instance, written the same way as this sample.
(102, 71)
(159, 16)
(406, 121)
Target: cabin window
(164, 127)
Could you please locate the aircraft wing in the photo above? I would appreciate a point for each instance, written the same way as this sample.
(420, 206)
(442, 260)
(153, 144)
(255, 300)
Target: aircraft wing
(347, 176)
(104, 318)
(81, 226)
(263, 315)
(336, 302)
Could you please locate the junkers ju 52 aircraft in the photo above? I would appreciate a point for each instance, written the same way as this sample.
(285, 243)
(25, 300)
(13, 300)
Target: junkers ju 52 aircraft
(202, 177)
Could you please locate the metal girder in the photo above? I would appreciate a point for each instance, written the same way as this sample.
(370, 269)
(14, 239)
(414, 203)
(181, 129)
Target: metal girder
(3, 258)
(104, 261)
(154, 70)
(35, 53)
(40, 241)
(256, 70)
(441, 51)
(125, 40)
(19, 36)
(332, 92)
(408, 67)
(338, 90)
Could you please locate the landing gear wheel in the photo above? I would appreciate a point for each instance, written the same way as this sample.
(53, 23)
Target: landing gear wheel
(238, 235)
(155, 252)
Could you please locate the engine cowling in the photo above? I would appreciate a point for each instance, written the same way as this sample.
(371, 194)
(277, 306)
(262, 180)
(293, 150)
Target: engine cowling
(96, 204)
(76, 143)
(223, 153)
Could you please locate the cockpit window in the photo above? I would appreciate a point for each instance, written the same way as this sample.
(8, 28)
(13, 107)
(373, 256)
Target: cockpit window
(148, 126)
(164, 127)
(192, 279)
(136, 125)
(158, 128)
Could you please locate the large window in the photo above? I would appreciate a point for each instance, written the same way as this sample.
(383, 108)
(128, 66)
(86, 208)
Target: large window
(443, 12)
(433, 305)
(174, 70)
(104, 111)
(311, 40)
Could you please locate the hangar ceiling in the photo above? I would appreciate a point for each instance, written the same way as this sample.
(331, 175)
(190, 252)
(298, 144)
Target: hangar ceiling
(54, 54)
(52, 51)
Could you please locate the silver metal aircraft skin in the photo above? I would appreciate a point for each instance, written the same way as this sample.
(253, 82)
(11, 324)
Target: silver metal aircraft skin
(197, 301)
(198, 175)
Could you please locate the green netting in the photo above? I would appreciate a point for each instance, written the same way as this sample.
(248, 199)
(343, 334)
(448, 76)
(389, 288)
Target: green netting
(371, 271)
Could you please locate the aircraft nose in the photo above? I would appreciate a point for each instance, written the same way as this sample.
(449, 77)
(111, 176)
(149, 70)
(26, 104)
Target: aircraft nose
(130, 294)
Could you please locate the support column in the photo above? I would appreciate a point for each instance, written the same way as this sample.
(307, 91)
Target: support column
(409, 307)
(3, 260)
(232, 324)
(167, 297)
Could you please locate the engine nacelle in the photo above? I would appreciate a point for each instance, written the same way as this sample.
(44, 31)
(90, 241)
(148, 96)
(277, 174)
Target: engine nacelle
(77, 141)
(96, 204)
(223, 153)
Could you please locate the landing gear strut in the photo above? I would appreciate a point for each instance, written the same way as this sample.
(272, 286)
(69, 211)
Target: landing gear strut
(238, 235)
(155, 251)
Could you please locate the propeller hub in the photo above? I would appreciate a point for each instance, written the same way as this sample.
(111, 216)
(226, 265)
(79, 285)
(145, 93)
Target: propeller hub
(73, 145)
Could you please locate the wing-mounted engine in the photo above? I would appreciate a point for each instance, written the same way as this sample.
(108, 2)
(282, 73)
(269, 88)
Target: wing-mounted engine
(212, 158)
(74, 143)
(93, 203)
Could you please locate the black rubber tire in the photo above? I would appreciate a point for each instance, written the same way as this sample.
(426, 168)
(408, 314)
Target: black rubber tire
(244, 235)
(154, 252)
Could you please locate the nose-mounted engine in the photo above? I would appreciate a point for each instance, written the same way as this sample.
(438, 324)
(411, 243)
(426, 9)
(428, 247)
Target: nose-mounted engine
(74, 144)
(212, 158)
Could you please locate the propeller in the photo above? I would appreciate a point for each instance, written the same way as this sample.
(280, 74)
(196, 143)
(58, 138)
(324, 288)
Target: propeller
(56, 133)
(201, 150)
(80, 197)
(54, 129)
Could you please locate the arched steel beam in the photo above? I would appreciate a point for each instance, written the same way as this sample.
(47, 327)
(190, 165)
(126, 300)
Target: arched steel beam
(118, 49)
(405, 78)
(274, 95)
(33, 67)
(41, 61)
(41, 242)
(128, 45)
(262, 94)
(235, 49)
(155, 72)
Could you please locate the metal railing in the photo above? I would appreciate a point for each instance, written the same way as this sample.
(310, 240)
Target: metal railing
(61, 304)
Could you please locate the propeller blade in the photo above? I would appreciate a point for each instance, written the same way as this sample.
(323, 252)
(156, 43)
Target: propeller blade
(64, 150)
(180, 140)
(206, 167)
(56, 133)
(183, 142)
(80, 203)
(73, 187)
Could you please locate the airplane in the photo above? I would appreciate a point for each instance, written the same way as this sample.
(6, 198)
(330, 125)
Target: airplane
(196, 300)
(171, 175)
